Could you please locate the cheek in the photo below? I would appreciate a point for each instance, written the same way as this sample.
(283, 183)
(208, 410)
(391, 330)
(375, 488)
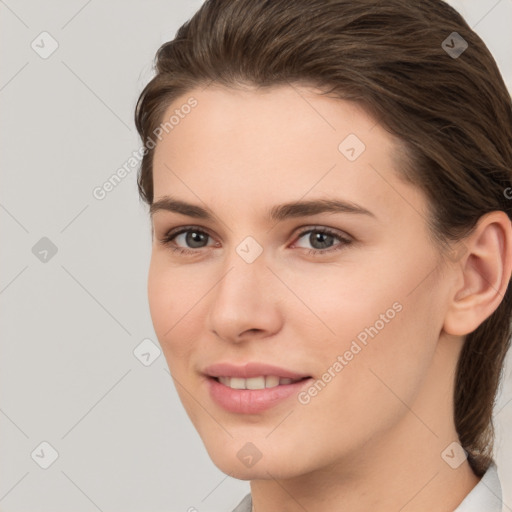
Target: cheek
(372, 382)
(172, 298)
(385, 322)
(173, 301)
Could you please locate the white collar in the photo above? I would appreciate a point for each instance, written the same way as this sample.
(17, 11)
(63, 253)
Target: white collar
(486, 495)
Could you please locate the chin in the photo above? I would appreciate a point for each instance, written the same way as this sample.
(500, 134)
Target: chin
(235, 463)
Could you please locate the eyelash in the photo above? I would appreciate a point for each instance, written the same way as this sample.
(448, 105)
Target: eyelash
(171, 235)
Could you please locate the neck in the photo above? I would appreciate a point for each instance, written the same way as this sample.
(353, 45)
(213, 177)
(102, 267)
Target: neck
(410, 480)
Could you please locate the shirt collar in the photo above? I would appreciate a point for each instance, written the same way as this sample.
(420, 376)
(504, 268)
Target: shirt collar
(486, 495)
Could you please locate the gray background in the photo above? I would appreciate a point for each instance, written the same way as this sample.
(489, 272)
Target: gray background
(70, 321)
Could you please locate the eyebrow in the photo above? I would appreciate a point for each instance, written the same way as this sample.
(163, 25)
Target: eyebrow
(276, 213)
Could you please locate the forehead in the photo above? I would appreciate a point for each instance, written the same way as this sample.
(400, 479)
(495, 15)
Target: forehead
(244, 147)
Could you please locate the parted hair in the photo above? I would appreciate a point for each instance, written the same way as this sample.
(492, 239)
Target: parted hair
(451, 112)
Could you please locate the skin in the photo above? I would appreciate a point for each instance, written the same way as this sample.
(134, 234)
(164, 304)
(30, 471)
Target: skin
(372, 438)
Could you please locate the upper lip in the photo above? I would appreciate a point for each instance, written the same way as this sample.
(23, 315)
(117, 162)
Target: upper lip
(251, 369)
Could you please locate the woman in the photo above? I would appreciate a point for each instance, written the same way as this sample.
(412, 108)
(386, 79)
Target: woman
(329, 187)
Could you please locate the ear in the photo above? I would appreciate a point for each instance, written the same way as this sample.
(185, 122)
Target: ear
(484, 271)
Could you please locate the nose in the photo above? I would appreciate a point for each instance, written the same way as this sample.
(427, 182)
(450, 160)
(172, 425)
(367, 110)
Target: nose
(244, 304)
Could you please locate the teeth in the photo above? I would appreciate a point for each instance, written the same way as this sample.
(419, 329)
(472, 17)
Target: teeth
(262, 382)
(237, 383)
(254, 383)
(271, 381)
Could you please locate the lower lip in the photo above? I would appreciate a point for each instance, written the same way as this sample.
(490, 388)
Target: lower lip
(252, 401)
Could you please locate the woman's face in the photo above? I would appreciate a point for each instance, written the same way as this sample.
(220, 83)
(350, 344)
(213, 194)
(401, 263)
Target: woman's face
(361, 316)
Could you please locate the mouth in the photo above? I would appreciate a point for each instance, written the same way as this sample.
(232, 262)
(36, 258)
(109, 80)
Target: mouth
(253, 387)
(259, 382)
(253, 395)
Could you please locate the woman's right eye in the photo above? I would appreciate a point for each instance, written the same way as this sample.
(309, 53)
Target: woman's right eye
(194, 237)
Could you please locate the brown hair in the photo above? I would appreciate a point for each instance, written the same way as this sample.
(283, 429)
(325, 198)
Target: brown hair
(452, 113)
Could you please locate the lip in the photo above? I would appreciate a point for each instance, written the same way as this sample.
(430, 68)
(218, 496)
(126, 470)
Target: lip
(252, 401)
(250, 369)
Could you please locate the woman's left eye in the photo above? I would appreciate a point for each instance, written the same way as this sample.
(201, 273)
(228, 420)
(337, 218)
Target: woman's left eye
(195, 237)
(323, 236)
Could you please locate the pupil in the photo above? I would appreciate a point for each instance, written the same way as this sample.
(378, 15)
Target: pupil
(315, 239)
(191, 238)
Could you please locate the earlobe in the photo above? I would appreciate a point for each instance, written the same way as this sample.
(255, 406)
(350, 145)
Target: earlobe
(485, 271)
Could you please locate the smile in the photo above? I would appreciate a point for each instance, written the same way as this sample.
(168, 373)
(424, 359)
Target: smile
(261, 382)
(256, 396)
